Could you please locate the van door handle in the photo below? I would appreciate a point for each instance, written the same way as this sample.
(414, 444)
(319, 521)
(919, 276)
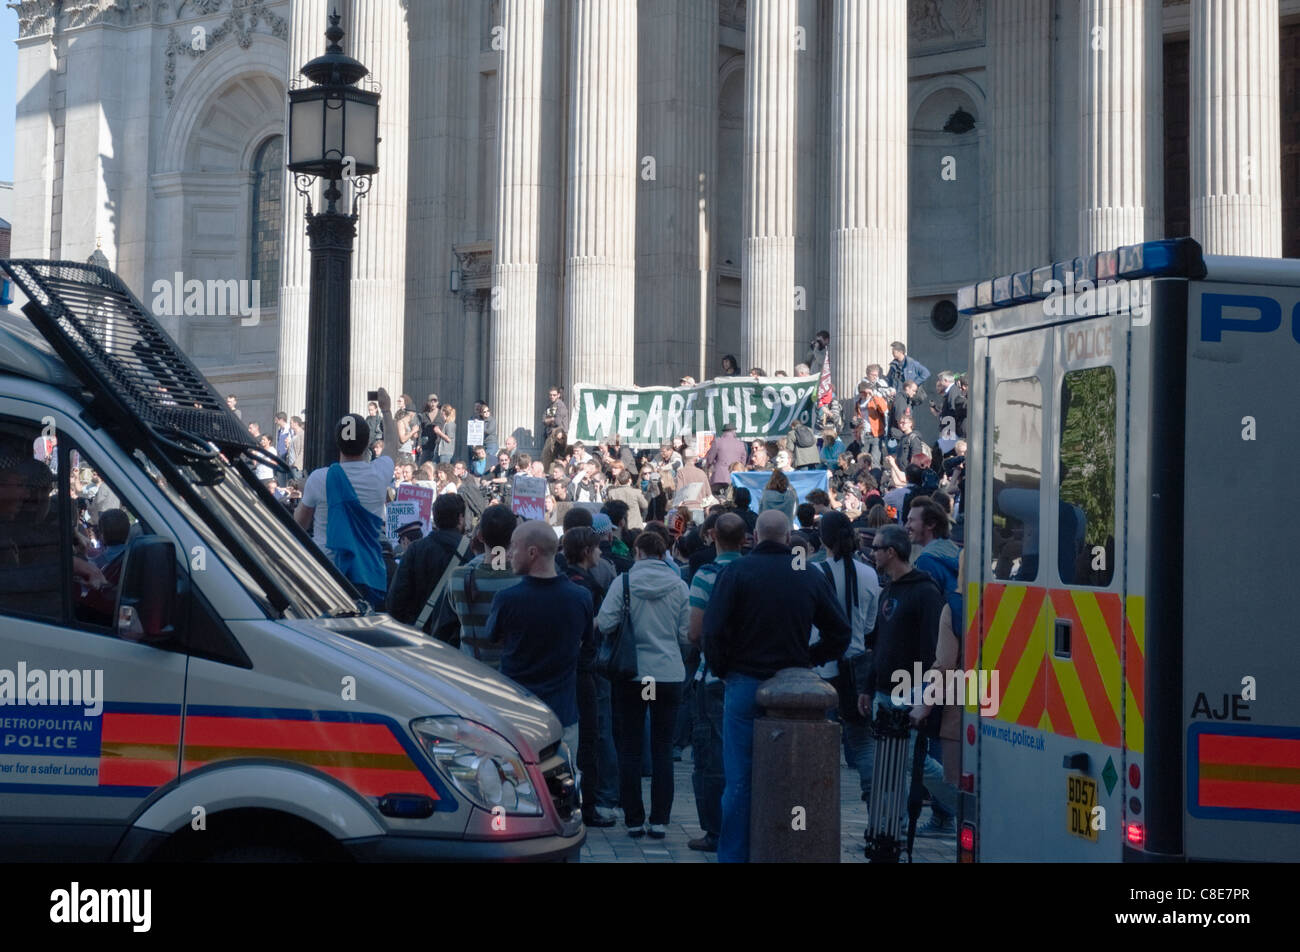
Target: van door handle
(1076, 761)
(1061, 640)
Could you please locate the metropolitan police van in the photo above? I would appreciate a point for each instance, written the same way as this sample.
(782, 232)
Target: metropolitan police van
(205, 684)
(1130, 561)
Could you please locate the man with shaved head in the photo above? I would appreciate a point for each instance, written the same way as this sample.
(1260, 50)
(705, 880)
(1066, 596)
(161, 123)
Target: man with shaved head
(758, 621)
(543, 623)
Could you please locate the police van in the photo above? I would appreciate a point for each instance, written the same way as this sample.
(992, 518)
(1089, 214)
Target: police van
(1130, 564)
(183, 674)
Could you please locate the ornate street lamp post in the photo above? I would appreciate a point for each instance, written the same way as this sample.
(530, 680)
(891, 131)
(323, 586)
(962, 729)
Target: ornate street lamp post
(333, 136)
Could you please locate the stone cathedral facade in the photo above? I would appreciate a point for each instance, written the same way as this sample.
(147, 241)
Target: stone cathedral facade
(621, 191)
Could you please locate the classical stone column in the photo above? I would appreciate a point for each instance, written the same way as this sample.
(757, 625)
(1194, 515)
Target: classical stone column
(307, 22)
(869, 179)
(378, 38)
(1154, 108)
(525, 269)
(767, 327)
(600, 244)
(678, 102)
(1236, 150)
(1020, 90)
(1113, 90)
(471, 380)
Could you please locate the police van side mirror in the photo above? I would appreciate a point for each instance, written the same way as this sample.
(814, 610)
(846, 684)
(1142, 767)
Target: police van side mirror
(147, 607)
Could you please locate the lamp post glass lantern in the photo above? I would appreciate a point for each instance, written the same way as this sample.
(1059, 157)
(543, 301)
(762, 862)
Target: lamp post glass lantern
(333, 136)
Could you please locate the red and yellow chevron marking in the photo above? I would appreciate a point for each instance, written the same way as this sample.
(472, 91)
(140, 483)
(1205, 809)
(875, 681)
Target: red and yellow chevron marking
(138, 750)
(366, 757)
(1248, 773)
(1075, 697)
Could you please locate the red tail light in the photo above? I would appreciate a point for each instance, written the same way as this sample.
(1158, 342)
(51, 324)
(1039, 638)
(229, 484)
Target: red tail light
(1135, 833)
(967, 783)
(967, 838)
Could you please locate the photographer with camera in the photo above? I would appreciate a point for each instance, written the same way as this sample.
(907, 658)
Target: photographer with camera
(817, 352)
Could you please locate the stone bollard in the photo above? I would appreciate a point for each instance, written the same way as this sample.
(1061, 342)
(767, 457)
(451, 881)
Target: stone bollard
(795, 812)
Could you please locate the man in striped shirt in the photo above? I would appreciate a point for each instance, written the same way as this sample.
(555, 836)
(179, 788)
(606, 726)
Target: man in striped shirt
(474, 584)
(706, 739)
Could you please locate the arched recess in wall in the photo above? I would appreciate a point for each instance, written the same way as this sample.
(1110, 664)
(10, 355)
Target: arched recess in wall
(947, 169)
(225, 113)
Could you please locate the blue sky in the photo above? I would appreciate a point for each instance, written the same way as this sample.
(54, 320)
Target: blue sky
(8, 83)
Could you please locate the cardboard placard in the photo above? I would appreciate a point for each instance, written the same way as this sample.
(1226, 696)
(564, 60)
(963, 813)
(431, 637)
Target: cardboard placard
(423, 498)
(399, 514)
(528, 498)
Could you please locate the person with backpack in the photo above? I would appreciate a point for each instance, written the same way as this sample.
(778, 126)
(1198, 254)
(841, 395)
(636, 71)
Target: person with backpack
(802, 444)
(858, 589)
(343, 505)
(474, 584)
(652, 601)
(419, 593)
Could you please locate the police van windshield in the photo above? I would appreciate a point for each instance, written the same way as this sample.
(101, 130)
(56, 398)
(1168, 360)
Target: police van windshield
(267, 558)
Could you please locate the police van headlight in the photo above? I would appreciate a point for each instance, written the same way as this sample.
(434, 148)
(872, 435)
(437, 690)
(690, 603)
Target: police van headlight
(480, 763)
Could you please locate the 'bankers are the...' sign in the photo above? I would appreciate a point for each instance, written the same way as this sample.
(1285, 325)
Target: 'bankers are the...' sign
(642, 416)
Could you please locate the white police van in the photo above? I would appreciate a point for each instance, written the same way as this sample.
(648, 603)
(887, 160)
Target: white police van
(205, 684)
(1131, 549)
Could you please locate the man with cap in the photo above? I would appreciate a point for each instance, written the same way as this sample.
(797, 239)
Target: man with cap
(872, 410)
(726, 449)
(692, 483)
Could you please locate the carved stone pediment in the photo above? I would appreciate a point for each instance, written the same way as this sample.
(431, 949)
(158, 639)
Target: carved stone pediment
(732, 13)
(937, 25)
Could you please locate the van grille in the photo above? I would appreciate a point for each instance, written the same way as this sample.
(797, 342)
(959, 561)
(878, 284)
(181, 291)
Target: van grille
(562, 787)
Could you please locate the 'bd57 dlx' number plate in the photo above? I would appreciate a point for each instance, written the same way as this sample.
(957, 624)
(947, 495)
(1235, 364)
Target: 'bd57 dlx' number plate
(1080, 798)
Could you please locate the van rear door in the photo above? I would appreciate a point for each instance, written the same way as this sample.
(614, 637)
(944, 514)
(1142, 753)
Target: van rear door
(1046, 599)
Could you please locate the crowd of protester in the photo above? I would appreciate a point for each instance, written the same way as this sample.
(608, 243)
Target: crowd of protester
(661, 541)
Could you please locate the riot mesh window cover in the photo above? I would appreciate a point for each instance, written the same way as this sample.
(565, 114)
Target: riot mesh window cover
(106, 337)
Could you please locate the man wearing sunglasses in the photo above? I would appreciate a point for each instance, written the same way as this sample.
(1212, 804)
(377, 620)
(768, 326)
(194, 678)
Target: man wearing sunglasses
(907, 630)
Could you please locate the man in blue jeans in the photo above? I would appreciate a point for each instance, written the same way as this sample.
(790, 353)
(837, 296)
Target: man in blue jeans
(758, 621)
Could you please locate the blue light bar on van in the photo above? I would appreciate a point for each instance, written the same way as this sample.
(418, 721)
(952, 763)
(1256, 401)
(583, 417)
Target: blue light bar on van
(1002, 291)
(6, 292)
(1172, 257)
(1038, 280)
(1021, 287)
(966, 298)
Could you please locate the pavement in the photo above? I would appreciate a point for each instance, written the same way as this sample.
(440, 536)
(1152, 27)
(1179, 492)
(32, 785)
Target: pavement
(613, 845)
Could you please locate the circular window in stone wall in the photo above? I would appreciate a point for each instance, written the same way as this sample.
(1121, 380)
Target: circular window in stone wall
(943, 317)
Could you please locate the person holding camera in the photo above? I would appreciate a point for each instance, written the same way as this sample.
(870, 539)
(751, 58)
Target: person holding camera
(817, 352)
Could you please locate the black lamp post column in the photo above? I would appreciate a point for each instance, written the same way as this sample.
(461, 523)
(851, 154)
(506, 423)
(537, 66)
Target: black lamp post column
(329, 327)
(333, 136)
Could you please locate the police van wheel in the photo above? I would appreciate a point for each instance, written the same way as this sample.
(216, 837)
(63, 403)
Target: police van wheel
(256, 854)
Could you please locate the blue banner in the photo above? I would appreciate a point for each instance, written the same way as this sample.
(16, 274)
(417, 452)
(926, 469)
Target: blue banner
(803, 481)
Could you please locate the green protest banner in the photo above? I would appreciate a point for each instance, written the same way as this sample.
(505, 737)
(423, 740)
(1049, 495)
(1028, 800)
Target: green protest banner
(643, 416)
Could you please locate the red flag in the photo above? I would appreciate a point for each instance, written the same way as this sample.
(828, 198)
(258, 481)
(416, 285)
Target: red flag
(825, 392)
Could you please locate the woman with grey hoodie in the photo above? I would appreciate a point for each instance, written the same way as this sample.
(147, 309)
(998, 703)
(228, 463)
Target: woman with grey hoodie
(658, 600)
